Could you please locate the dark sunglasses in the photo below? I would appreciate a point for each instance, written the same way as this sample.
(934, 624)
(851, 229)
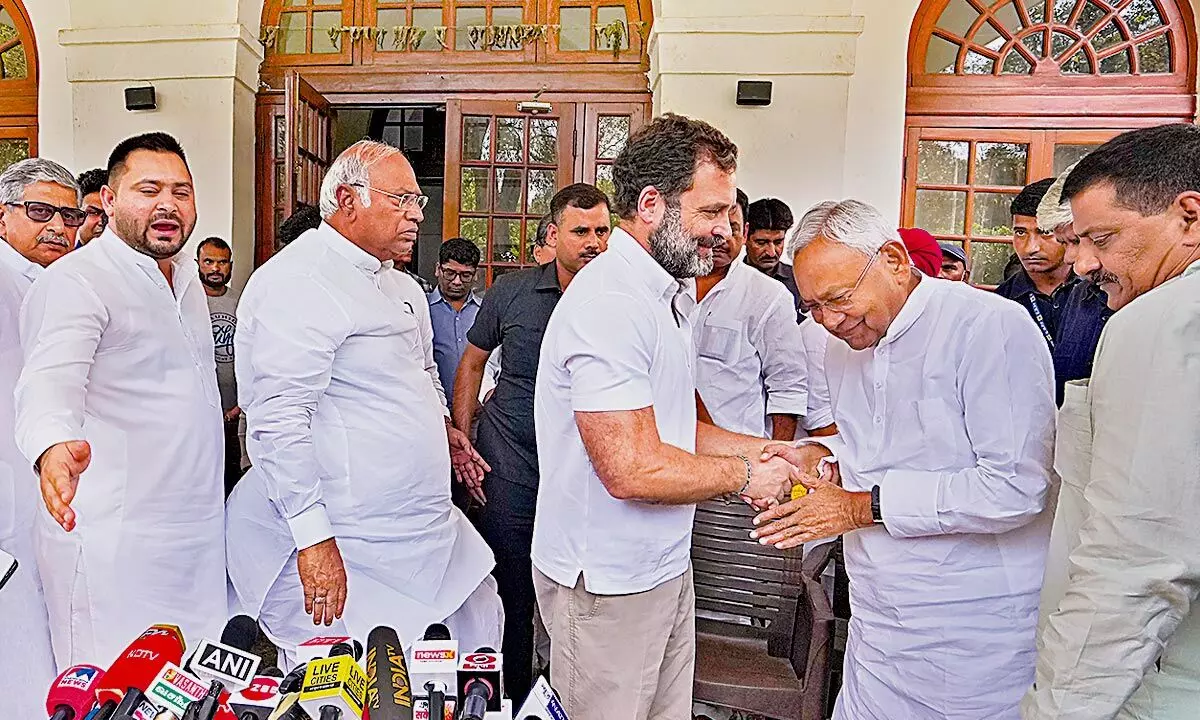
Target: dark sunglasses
(93, 211)
(43, 212)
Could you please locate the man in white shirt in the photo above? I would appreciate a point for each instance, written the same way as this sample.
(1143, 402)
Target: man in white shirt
(615, 413)
(39, 217)
(1122, 639)
(751, 368)
(345, 518)
(118, 407)
(944, 402)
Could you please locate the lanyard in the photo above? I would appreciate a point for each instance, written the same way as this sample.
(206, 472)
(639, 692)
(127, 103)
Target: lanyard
(1041, 321)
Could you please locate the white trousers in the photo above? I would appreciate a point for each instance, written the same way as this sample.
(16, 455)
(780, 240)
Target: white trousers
(26, 657)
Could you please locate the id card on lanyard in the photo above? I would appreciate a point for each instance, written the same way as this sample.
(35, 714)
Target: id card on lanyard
(1041, 320)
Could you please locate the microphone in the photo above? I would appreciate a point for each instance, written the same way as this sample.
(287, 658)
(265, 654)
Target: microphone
(434, 672)
(479, 686)
(334, 688)
(206, 708)
(137, 666)
(257, 701)
(542, 703)
(389, 695)
(230, 660)
(73, 693)
(174, 690)
(336, 646)
(321, 647)
(135, 706)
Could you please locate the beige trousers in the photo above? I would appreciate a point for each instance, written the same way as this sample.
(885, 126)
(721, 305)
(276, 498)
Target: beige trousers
(621, 656)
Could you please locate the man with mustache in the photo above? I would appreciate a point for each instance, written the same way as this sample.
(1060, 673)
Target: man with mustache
(622, 459)
(943, 399)
(39, 215)
(767, 223)
(1044, 285)
(751, 372)
(215, 258)
(513, 319)
(1123, 638)
(345, 519)
(118, 410)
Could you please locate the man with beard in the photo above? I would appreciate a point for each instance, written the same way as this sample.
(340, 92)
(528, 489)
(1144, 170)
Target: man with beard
(215, 258)
(513, 317)
(119, 412)
(751, 370)
(345, 519)
(943, 399)
(1122, 639)
(90, 183)
(38, 219)
(617, 437)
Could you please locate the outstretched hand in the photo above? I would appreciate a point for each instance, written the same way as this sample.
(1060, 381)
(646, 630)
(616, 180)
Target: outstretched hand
(60, 468)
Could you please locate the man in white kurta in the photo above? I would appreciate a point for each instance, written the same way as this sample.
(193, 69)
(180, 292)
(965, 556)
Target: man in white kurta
(1121, 634)
(347, 436)
(944, 402)
(29, 241)
(119, 395)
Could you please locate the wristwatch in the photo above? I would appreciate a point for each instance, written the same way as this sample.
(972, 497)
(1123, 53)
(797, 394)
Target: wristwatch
(876, 513)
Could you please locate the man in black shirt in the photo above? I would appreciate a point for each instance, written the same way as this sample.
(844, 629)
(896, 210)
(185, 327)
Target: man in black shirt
(513, 319)
(767, 224)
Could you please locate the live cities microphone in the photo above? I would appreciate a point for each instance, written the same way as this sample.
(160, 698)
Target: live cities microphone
(74, 692)
(334, 688)
(389, 695)
(230, 660)
(479, 688)
(542, 703)
(292, 681)
(137, 666)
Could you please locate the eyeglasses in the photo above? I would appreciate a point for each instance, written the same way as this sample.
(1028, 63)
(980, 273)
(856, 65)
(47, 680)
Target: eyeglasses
(407, 201)
(844, 302)
(465, 275)
(93, 211)
(42, 212)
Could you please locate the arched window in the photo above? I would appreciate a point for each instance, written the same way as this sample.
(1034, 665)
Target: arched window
(1006, 92)
(18, 84)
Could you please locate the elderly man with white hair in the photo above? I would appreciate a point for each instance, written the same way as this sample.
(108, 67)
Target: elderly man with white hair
(345, 519)
(944, 401)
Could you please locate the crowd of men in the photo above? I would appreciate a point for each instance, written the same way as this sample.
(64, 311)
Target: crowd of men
(174, 450)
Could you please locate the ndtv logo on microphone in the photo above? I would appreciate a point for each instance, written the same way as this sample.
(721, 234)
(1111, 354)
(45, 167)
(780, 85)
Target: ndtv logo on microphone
(433, 655)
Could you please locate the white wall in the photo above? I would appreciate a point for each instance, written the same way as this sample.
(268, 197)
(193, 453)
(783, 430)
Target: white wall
(55, 110)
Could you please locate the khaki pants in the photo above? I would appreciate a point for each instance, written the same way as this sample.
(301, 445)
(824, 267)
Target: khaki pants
(621, 656)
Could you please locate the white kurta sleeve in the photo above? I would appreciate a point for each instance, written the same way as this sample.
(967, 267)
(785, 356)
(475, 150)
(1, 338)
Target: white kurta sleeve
(820, 409)
(1006, 385)
(62, 321)
(1135, 572)
(784, 365)
(288, 355)
(425, 324)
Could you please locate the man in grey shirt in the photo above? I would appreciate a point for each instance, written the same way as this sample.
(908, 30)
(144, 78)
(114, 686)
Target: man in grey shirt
(216, 267)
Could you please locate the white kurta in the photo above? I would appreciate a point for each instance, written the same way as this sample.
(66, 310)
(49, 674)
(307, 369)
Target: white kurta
(416, 302)
(115, 356)
(820, 410)
(347, 438)
(750, 354)
(1122, 639)
(26, 661)
(952, 415)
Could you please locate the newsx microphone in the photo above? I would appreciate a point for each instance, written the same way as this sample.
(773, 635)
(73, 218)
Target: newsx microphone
(479, 689)
(334, 688)
(433, 674)
(137, 666)
(73, 693)
(389, 694)
(542, 703)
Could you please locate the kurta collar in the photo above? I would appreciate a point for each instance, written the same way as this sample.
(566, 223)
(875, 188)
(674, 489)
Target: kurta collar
(23, 265)
(340, 244)
(183, 267)
(644, 269)
(733, 277)
(917, 301)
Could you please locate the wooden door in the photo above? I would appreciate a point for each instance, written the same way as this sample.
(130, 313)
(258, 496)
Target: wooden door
(502, 168)
(310, 119)
(606, 128)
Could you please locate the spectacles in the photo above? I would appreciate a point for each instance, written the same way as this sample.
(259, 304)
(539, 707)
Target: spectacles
(465, 275)
(844, 302)
(93, 211)
(42, 212)
(407, 201)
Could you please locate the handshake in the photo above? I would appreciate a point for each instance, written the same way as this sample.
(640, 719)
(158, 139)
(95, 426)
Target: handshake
(776, 471)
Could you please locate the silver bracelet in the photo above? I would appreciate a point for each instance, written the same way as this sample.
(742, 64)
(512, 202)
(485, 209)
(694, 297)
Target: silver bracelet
(729, 499)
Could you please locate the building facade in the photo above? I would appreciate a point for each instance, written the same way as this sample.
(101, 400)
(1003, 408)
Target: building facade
(936, 111)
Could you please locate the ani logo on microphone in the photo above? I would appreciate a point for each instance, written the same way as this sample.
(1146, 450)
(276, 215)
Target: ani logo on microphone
(81, 678)
(225, 663)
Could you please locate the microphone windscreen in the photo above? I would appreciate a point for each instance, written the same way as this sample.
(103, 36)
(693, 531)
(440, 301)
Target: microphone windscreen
(353, 648)
(74, 689)
(270, 671)
(487, 650)
(240, 632)
(389, 693)
(437, 631)
(137, 666)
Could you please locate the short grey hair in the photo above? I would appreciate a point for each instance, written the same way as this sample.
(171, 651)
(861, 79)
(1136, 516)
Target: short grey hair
(17, 178)
(353, 169)
(1052, 212)
(852, 223)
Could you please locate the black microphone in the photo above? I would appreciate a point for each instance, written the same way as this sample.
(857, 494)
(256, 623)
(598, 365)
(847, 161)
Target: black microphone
(133, 706)
(437, 631)
(389, 694)
(240, 632)
(206, 708)
(475, 702)
(479, 683)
